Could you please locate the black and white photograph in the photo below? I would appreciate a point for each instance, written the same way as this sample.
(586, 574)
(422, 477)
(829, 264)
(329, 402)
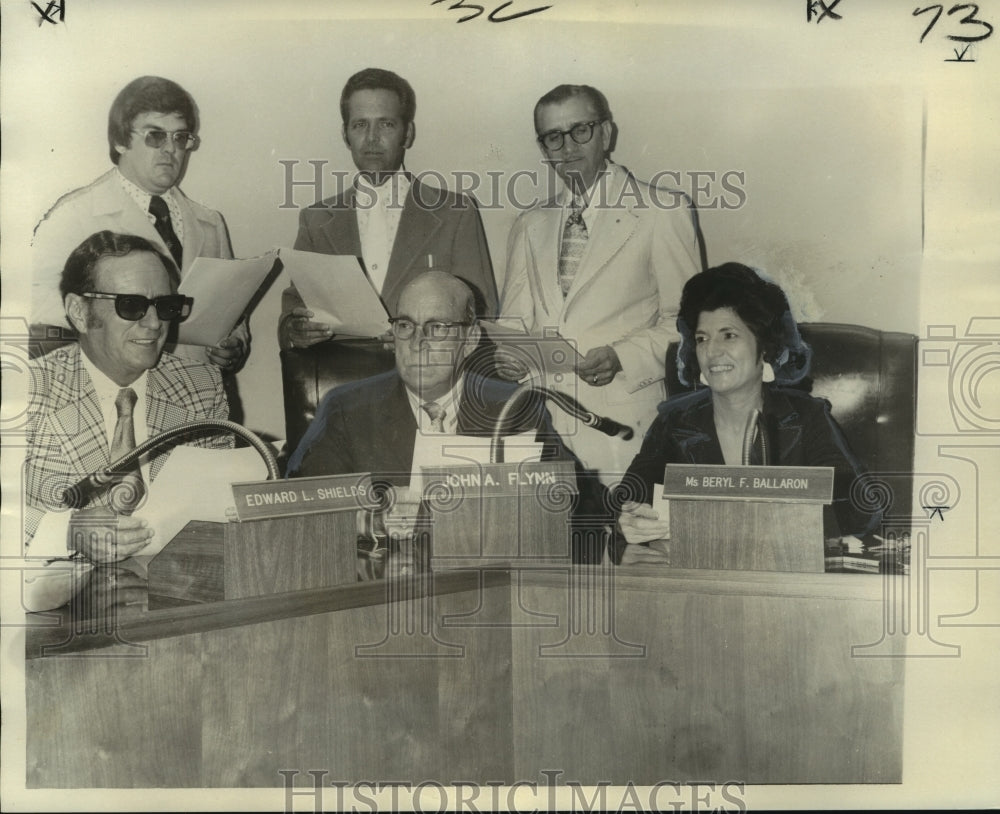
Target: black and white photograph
(548, 405)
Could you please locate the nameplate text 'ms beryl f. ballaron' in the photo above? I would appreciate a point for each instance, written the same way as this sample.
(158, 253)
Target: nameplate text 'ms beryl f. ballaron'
(807, 484)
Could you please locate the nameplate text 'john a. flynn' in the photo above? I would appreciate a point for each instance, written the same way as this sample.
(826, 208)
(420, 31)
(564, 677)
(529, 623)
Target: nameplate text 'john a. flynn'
(794, 484)
(256, 500)
(497, 480)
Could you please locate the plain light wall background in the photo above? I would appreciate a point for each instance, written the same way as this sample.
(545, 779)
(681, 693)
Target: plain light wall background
(831, 173)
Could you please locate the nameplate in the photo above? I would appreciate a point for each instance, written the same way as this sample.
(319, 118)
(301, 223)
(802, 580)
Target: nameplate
(498, 480)
(257, 500)
(787, 484)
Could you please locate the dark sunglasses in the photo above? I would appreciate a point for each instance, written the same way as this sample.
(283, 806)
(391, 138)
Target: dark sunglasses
(133, 307)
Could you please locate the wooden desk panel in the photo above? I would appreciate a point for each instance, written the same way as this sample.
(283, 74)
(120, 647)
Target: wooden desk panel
(743, 678)
(233, 706)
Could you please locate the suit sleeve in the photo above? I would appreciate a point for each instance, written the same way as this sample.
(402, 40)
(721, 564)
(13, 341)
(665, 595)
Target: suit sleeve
(674, 257)
(517, 300)
(324, 449)
(290, 298)
(471, 255)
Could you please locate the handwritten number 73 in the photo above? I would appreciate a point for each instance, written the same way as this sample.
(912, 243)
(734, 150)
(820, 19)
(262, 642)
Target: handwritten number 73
(494, 16)
(968, 19)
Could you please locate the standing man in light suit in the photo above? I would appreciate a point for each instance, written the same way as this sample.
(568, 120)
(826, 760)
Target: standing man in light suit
(603, 263)
(152, 128)
(388, 219)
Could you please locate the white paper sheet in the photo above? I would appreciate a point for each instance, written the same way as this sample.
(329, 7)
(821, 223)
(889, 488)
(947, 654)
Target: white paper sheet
(194, 484)
(335, 288)
(222, 289)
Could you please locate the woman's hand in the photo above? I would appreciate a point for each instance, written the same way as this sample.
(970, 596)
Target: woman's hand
(645, 533)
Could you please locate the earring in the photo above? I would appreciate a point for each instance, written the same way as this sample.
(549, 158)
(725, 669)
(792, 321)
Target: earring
(768, 372)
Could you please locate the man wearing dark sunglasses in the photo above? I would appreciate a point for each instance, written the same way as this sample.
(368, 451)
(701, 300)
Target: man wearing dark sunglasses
(603, 264)
(152, 129)
(116, 383)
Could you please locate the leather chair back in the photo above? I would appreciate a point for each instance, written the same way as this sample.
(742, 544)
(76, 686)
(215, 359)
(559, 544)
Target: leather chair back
(308, 373)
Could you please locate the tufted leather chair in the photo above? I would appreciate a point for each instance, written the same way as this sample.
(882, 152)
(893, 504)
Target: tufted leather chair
(869, 378)
(308, 373)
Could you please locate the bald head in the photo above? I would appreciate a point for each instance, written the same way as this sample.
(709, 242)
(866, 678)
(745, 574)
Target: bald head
(430, 368)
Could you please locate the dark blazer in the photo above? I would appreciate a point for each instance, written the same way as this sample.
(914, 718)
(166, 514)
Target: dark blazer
(368, 426)
(800, 430)
(433, 222)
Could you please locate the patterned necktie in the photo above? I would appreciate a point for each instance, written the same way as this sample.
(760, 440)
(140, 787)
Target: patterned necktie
(574, 241)
(159, 210)
(437, 414)
(129, 488)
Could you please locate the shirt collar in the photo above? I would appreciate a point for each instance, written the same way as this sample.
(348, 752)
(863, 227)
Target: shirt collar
(451, 401)
(391, 191)
(138, 194)
(106, 389)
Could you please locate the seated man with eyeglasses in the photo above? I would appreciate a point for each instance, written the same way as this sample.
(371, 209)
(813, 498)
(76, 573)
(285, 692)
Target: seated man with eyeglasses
(372, 425)
(602, 264)
(152, 129)
(91, 402)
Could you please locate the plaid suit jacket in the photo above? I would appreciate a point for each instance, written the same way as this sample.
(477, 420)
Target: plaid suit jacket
(66, 436)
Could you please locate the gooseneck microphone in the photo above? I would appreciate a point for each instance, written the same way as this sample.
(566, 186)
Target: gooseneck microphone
(79, 495)
(568, 404)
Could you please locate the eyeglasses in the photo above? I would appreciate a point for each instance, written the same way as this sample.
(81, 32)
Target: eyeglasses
(435, 330)
(182, 139)
(133, 307)
(581, 133)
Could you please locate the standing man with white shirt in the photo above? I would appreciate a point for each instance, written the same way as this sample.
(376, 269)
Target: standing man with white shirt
(602, 264)
(397, 226)
(152, 129)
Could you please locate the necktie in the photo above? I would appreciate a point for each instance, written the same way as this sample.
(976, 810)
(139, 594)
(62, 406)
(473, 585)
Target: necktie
(129, 488)
(574, 241)
(158, 209)
(437, 414)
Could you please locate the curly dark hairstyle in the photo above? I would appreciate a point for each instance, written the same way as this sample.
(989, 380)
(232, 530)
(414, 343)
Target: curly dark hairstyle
(147, 94)
(761, 304)
(380, 79)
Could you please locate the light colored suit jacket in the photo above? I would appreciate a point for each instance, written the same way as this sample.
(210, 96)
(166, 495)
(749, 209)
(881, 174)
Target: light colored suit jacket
(641, 249)
(66, 436)
(433, 222)
(104, 204)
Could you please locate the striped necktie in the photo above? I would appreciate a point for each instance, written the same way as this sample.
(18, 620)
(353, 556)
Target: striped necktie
(574, 242)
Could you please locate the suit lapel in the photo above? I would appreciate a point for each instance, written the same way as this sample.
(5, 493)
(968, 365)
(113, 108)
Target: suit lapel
(166, 390)
(545, 241)
(78, 423)
(617, 225)
(194, 229)
(417, 227)
(341, 228)
(396, 428)
(112, 200)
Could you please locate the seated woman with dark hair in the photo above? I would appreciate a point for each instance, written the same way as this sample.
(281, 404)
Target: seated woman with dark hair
(739, 339)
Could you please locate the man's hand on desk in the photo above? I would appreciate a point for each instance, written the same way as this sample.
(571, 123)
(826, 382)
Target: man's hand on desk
(300, 330)
(102, 536)
(599, 366)
(641, 525)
